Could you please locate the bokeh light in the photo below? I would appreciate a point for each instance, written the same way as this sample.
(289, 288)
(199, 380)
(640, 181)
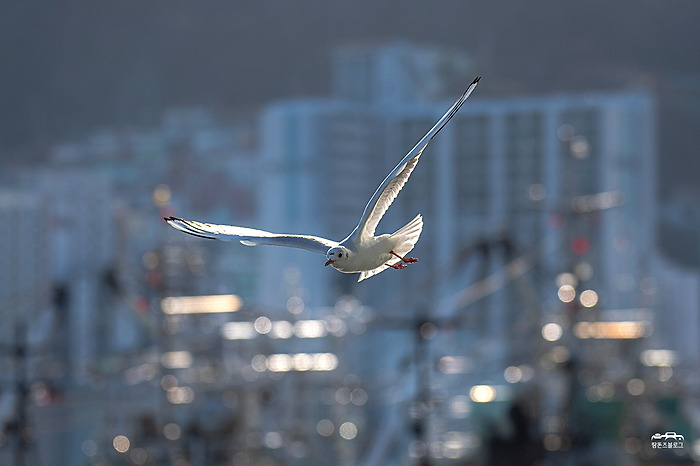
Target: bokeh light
(552, 331)
(273, 440)
(636, 387)
(121, 443)
(348, 430)
(295, 305)
(580, 148)
(138, 456)
(171, 431)
(537, 192)
(161, 195)
(513, 374)
(325, 427)
(262, 325)
(588, 298)
(482, 393)
(566, 293)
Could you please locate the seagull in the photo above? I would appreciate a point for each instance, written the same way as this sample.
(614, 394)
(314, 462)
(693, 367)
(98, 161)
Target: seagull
(361, 252)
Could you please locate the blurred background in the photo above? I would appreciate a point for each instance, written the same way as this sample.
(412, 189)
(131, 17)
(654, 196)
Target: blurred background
(553, 316)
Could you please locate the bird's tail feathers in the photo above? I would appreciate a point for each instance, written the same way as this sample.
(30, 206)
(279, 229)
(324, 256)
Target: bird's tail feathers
(409, 233)
(406, 238)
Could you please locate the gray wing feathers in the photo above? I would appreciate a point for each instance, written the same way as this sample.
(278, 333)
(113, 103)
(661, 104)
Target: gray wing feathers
(388, 194)
(392, 184)
(250, 236)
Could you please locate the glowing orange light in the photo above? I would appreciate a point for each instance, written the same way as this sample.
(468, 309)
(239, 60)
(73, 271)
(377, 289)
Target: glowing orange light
(624, 330)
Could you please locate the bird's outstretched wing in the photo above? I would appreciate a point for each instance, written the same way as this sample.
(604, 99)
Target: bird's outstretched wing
(392, 184)
(251, 237)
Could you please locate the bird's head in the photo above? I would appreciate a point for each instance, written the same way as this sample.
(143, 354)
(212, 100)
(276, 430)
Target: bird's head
(337, 254)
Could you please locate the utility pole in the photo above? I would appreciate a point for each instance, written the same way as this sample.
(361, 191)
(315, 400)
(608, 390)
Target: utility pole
(18, 425)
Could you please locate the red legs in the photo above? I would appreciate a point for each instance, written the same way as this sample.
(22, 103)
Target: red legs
(403, 263)
(407, 260)
(398, 266)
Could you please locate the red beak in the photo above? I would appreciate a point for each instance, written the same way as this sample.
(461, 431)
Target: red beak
(329, 262)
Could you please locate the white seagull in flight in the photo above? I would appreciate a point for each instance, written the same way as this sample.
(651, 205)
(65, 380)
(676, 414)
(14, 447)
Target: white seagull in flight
(361, 251)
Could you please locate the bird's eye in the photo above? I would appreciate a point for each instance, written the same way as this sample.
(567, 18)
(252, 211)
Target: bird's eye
(340, 254)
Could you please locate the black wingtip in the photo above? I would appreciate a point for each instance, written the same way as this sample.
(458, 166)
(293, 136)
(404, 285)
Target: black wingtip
(190, 230)
(476, 80)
